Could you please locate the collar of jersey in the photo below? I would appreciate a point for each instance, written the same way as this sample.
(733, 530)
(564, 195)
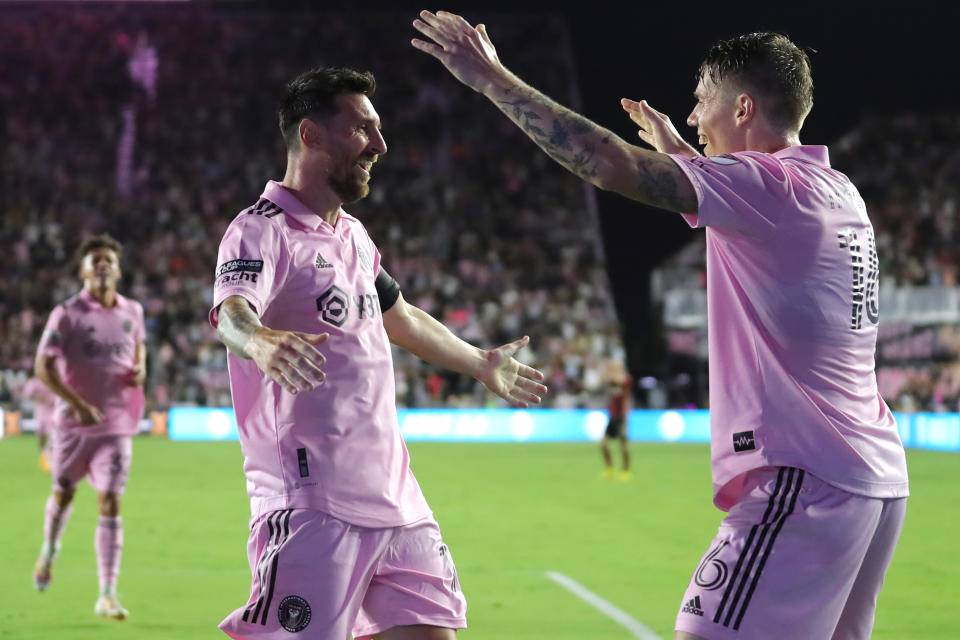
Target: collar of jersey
(90, 301)
(280, 196)
(812, 153)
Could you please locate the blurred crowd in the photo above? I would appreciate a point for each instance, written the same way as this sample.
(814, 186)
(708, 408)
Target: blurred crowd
(908, 171)
(157, 125)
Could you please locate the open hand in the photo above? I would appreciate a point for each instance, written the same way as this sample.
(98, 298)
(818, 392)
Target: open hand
(290, 358)
(514, 382)
(465, 51)
(656, 129)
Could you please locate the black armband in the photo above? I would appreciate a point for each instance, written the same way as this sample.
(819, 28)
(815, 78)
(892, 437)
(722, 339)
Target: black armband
(387, 290)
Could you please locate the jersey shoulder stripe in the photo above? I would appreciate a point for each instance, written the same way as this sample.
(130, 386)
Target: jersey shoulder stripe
(265, 208)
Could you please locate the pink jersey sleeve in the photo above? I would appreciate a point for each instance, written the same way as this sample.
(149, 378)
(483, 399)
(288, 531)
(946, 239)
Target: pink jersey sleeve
(140, 329)
(740, 192)
(248, 262)
(51, 343)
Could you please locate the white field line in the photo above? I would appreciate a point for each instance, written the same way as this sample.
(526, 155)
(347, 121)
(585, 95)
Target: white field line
(635, 627)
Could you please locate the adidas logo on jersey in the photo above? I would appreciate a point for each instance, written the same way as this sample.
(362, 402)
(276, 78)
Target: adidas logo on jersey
(693, 606)
(321, 263)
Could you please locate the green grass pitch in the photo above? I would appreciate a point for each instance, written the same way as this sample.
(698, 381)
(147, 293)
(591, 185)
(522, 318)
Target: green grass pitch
(510, 512)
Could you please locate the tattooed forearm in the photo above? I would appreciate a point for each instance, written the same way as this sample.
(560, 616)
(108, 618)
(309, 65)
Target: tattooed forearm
(236, 324)
(593, 153)
(566, 136)
(659, 179)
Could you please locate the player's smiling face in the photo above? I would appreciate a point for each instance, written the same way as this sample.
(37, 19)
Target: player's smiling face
(100, 269)
(354, 143)
(714, 116)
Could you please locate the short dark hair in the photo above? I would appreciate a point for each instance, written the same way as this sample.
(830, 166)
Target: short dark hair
(314, 92)
(102, 241)
(769, 64)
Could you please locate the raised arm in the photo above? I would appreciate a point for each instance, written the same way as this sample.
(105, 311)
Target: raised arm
(585, 148)
(290, 358)
(419, 333)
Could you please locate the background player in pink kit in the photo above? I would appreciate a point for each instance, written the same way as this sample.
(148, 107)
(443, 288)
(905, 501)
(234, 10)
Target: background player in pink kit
(44, 402)
(92, 356)
(342, 540)
(805, 454)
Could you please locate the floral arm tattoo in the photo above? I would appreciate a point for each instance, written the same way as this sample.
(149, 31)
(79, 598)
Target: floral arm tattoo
(596, 154)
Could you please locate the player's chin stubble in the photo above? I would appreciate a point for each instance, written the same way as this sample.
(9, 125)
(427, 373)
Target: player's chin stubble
(349, 190)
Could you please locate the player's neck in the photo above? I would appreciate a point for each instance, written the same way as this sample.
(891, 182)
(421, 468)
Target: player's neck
(106, 296)
(768, 140)
(315, 194)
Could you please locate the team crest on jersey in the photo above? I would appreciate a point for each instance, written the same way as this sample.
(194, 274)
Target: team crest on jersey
(364, 259)
(294, 614)
(127, 325)
(320, 263)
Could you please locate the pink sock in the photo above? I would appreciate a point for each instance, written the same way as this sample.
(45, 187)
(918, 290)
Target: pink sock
(108, 543)
(54, 522)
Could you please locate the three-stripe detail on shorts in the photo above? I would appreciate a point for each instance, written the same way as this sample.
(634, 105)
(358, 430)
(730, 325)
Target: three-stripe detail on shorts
(736, 597)
(278, 528)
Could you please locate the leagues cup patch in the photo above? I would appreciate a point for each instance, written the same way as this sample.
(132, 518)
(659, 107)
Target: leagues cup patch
(294, 613)
(256, 266)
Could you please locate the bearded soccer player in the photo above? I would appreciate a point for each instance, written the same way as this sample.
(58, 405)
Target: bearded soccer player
(805, 454)
(92, 356)
(341, 538)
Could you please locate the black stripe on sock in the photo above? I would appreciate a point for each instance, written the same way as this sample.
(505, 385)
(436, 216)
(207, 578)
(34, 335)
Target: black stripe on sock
(766, 553)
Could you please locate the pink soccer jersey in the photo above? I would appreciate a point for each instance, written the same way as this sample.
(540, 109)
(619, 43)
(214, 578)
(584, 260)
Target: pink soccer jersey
(95, 348)
(792, 290)
(337, 448)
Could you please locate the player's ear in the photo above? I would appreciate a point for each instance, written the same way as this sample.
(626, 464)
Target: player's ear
(312, 133)
(745, 108)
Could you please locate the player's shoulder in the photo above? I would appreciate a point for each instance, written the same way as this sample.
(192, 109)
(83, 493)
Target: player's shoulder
(73, 303)
(263, 213)
(351, 221)
(124, 302)
(354, 224)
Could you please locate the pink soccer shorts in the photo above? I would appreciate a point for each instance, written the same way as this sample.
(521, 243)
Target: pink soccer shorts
(326, 578)
(104, 460)
(795, 559)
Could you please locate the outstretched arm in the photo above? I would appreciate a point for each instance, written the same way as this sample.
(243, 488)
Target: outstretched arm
(585, 148)
(419, 333)
(290, 358)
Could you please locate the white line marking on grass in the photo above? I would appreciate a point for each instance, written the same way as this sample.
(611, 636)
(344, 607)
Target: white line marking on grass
(635, 627)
